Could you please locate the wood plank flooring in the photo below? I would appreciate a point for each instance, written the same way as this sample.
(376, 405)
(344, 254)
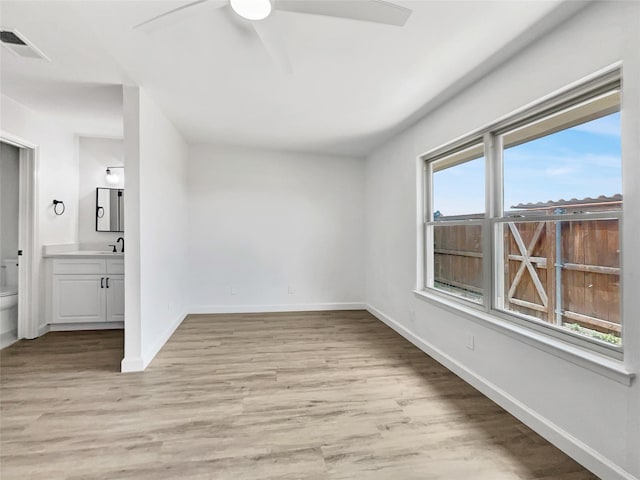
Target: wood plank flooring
(322, 395)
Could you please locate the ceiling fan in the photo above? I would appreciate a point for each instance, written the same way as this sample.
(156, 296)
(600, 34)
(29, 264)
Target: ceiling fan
(257, 13)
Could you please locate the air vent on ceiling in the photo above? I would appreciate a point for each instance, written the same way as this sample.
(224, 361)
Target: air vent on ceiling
(19, 45)
(10, 37)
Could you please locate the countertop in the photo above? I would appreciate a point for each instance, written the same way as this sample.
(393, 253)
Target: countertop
(85, 253)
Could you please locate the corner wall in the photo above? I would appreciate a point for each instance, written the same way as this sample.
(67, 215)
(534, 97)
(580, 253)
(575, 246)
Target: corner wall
(591, 417)
(274, 231)
(156, 225)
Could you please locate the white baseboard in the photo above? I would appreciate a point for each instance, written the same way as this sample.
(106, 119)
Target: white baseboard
(148, 357)
(72, 327)
(42, 329)
(8, 338)
(306, 307)
(570, 445)
(131, 365)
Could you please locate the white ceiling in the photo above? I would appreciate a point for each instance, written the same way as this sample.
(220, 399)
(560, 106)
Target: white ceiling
(353, 83)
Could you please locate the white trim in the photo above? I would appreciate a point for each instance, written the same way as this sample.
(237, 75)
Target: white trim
(307, 307)
(29, 229)
(422, 270)
(131, 365)
(16, 141)
(71, 327)
(566, 442)
(8, 338)
(147, 358)
(601, 364)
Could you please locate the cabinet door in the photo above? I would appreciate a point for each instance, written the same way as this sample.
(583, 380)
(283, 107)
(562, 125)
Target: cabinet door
(115, 298)
(78, 298)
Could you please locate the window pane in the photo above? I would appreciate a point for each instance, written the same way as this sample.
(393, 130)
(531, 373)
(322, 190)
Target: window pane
(459, 191)
(577, 169)
(457, 257)
(566, 273)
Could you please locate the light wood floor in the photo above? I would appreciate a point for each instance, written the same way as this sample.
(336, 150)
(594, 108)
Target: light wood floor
(280, 396)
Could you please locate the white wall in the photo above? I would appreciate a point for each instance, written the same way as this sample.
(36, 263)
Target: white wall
(156, 277)
(57, 172)
(264, 221)
(95, 155)
(132, 360)
(591, 416)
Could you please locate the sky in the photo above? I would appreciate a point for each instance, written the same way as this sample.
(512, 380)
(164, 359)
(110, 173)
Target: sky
(583, 161)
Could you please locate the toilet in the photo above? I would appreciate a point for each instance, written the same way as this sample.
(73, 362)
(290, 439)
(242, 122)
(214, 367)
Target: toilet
(8, 300)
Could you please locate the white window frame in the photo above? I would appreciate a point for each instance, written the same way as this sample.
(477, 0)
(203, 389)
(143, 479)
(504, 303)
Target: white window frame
(491, 137)
(429, 222)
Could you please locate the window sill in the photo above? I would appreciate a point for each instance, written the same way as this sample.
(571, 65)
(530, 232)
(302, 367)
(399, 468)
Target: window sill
(595, 362)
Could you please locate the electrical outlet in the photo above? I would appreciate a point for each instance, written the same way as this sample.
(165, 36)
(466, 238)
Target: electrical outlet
(470, 341)
(234, 290)
(169, 306)
(291, 290)
(412, 317)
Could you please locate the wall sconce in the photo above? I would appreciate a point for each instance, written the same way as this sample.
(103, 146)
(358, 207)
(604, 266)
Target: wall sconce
(112, 178)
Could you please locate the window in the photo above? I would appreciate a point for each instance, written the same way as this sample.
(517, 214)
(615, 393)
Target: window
(458, 213)
(523, 219)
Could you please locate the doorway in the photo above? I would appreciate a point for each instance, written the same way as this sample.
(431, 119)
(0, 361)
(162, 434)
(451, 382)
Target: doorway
(9, 201)
(18, 239)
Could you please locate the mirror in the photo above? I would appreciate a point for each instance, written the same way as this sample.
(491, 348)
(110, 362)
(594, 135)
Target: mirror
(109, 210)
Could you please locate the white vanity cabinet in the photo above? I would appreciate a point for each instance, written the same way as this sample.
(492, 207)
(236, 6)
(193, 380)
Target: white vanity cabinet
(115, 298)
(78, 298)
(87, 291)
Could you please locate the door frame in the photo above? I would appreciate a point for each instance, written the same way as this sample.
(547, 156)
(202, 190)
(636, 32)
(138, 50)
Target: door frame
(27, 235)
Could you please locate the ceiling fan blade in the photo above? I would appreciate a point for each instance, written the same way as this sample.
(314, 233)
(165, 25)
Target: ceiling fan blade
(273, 43)
(166, 14)
(377, 11)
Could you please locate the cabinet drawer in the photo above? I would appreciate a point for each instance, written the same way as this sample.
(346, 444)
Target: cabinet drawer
(115, 266)
(79, 266)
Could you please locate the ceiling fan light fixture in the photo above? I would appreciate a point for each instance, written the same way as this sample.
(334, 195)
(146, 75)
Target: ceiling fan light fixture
(252, 9)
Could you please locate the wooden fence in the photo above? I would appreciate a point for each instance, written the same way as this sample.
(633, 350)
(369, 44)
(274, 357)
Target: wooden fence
(587, 269)
(458, 257)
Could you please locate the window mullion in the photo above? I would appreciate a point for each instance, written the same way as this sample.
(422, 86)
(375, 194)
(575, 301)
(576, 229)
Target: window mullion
(493, 208)
(497, 205)
(486, 235)
(605, 215)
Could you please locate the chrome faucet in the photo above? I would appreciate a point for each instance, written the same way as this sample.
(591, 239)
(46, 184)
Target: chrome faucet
(118, 241)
